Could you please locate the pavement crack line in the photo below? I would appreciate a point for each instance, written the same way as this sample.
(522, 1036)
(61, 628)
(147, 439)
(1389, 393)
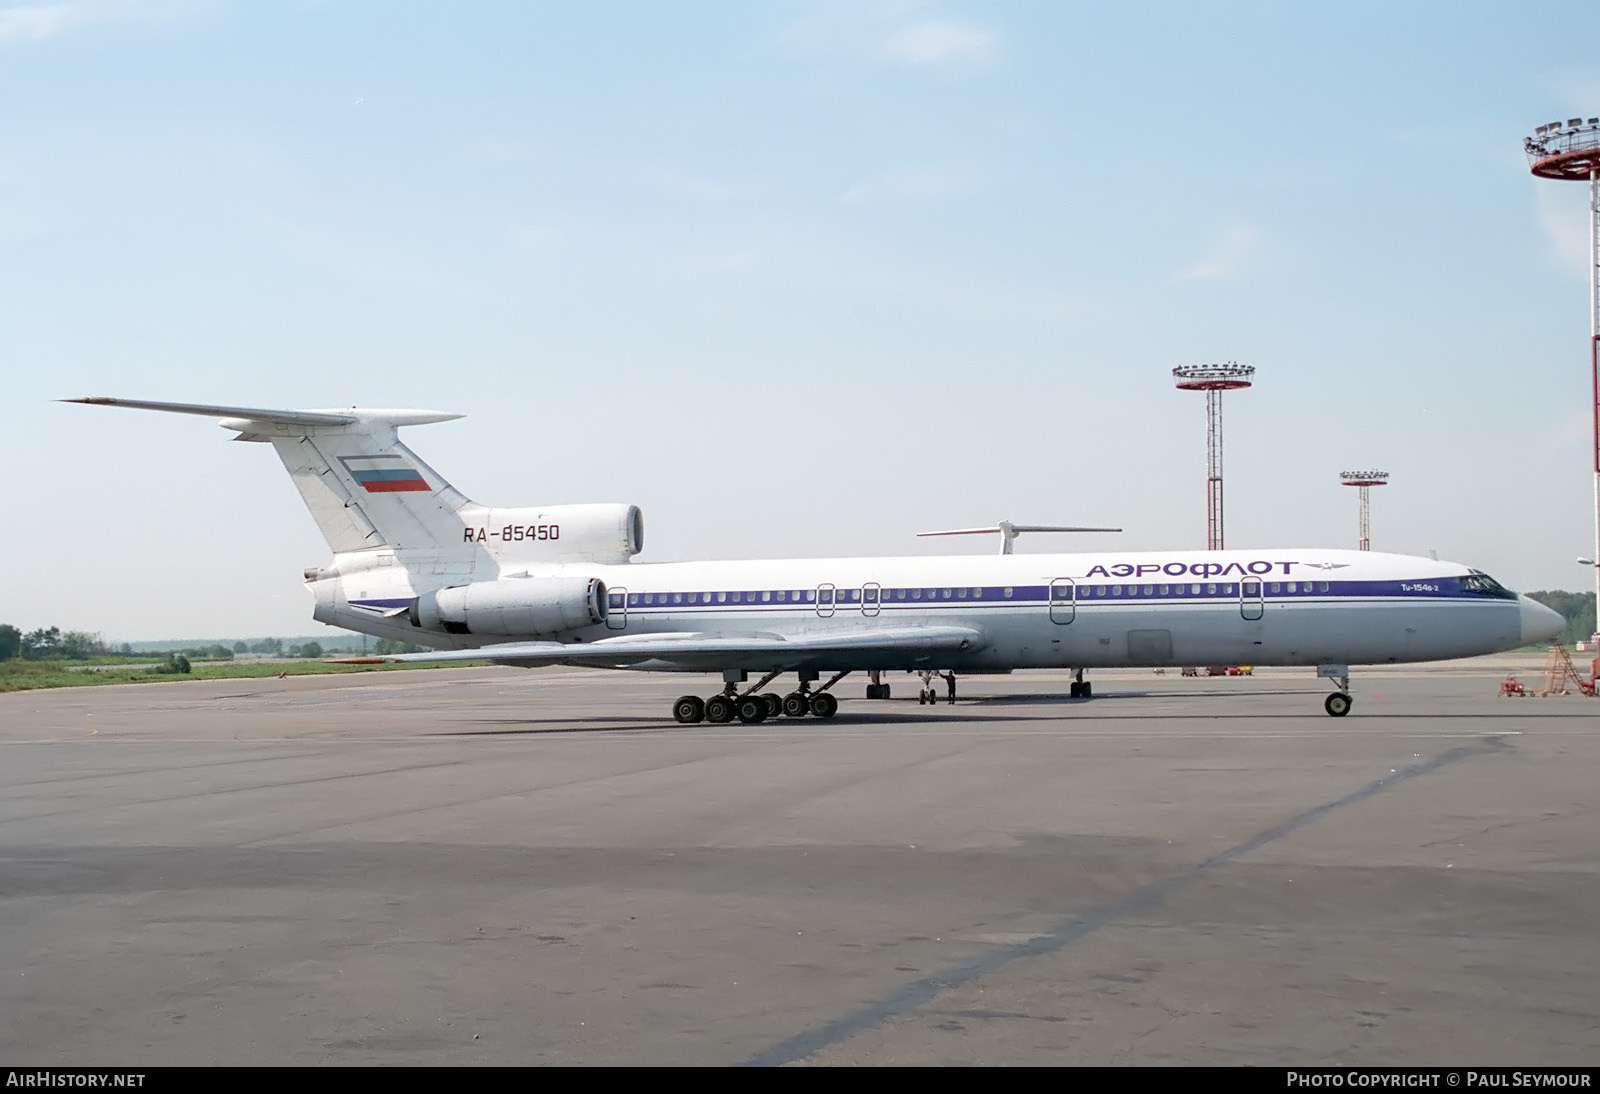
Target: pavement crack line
(919, 993)
(1460, 837)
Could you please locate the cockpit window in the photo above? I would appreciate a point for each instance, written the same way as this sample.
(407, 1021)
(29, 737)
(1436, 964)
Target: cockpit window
(1484, 585)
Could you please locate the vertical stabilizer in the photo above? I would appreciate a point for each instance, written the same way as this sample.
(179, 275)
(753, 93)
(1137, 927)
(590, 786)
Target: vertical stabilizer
(365, 489)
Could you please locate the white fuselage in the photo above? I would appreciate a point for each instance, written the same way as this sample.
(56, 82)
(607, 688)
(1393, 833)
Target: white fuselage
(1241, 607)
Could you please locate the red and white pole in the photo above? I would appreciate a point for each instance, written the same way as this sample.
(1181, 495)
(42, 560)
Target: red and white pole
(1594, 367)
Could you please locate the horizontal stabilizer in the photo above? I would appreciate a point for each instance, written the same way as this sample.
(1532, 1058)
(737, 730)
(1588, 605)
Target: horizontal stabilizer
(363, 487)
(324, 418)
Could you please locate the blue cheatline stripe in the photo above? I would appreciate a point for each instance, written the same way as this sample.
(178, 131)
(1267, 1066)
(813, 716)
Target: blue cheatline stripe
(995, 596)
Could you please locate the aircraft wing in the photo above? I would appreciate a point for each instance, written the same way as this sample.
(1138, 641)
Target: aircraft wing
(708, 650)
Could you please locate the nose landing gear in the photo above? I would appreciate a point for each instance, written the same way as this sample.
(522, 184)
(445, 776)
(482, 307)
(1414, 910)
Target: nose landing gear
(1337, 704)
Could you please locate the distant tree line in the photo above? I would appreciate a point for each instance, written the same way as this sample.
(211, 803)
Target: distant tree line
(50, 644)
(54, 644)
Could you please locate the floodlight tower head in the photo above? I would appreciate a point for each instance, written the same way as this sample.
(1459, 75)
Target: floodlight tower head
(1363, 481)
(1213, 380)
(1570, 151)
(1213, 377)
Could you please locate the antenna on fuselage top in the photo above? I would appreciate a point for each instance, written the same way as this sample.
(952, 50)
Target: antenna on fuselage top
(1009, 532)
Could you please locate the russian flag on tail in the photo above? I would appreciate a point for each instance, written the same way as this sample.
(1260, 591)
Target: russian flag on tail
(384, 474)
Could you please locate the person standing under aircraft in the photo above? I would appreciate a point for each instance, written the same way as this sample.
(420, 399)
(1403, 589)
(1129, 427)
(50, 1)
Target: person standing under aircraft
(950, 680)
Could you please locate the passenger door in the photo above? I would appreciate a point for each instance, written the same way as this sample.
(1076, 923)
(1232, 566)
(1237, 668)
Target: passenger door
(1063, 600)
(825, 595)
(1252, 599)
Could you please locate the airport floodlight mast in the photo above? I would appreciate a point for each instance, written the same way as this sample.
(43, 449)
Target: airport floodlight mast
(1213, 380)
(1364, 481)
(1570, 151)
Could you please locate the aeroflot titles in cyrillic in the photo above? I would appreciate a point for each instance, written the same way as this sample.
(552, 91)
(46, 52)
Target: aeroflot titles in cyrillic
(1178, 569)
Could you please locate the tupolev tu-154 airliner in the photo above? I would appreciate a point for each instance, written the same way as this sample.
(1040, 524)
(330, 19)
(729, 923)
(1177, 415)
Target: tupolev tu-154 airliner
(417, 561)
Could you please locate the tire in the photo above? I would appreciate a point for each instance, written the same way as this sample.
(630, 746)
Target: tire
(1088, 690)
(796, 705)
(751, 709)
(689, 709)
(774, 703)
(824, 705)
(1337, 704)
(719, 709)
(1077, 689)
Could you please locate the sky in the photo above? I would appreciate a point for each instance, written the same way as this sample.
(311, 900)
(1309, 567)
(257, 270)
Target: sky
(796, 278)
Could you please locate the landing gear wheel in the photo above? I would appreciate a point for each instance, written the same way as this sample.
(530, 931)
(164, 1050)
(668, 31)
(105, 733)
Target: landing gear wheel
(824, 705)
(751, 709)
(796, 705)
(774, 703)
(719, 709)
(1337, 704)
(1077, 689)
(1088, 689)
(689, 708)
(877, 691)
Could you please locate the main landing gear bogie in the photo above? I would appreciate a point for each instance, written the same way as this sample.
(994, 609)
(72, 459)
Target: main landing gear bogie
(757, 706)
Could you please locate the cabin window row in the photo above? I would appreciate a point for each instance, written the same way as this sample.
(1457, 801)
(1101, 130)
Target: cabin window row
(1208, 589)
(875, 595)
(801, 596)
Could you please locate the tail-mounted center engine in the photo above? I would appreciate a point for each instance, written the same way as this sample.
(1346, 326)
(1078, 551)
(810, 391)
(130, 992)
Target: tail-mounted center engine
(522, 607)
(610, 534)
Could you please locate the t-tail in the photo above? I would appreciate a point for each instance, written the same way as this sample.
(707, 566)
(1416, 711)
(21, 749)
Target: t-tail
(381, 508)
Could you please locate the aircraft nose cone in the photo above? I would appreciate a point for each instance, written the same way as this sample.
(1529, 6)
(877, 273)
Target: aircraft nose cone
(1539, 623)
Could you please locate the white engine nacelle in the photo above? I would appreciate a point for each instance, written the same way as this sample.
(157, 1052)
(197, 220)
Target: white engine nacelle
(520, 607)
